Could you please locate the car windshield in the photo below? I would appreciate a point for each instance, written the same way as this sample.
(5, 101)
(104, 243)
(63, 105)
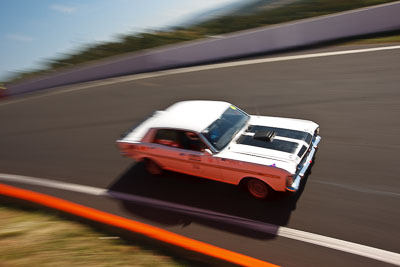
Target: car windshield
(221, 132)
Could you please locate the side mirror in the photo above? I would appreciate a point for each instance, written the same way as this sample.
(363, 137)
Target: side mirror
(207, 151)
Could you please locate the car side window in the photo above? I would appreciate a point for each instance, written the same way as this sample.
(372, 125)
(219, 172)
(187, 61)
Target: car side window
(191, 141)
(179, 139)
(167, 137)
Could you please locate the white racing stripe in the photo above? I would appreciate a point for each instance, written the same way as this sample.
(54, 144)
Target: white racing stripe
(87, 85)
(320, 240)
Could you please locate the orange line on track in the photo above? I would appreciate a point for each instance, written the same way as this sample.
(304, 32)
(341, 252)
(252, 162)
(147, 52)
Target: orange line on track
(133, 226)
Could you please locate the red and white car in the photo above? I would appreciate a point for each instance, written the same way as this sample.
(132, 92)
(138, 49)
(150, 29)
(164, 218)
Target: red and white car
(217, 140)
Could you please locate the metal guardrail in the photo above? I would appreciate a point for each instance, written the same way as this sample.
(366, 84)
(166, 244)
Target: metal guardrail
(245, 43)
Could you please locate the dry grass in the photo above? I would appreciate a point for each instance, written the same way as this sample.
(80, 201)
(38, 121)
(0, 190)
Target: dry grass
(34, 238)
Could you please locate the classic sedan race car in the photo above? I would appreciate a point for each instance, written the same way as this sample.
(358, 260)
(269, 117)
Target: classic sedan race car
(217, 140)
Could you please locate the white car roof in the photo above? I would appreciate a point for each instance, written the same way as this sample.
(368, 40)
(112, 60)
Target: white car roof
(194, 115)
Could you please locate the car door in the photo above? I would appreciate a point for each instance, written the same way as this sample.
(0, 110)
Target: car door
(183, 151)
(166, 149)
(201, 160)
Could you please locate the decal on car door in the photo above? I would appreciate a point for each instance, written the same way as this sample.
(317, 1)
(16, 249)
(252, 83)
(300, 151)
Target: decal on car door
(194, 157)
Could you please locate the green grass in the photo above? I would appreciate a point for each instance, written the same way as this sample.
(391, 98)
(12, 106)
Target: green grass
(35, 238)
(391, 38)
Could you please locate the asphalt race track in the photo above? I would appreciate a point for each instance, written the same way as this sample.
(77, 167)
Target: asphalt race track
(352, 192)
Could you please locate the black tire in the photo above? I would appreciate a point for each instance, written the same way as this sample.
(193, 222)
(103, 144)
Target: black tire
(152, 167)
(257, 188)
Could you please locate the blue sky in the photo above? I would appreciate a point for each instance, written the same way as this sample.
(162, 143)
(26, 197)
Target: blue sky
(34, 31)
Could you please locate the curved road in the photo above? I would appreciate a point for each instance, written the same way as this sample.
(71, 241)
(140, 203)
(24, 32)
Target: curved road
(352, 193)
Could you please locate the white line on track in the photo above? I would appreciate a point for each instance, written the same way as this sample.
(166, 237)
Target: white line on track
(87, 85)
(359, 189)
(320, 240)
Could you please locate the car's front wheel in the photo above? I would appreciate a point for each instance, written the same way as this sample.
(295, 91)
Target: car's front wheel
(257, 188)
(152, 167)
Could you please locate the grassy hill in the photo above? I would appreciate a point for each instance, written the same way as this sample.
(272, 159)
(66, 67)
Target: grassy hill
(254, 14)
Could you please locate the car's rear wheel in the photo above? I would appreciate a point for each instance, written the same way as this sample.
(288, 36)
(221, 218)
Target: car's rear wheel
(257, 188)
(152, 167)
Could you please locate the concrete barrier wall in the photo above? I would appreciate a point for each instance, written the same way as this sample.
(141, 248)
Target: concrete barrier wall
(261, 40)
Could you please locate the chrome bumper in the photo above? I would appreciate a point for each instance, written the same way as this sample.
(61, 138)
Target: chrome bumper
(300, 173)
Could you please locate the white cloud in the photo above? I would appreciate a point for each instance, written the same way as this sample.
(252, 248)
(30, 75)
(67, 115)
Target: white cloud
(176, 13)
(63, 9)
(19, 37)
(195, 7)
